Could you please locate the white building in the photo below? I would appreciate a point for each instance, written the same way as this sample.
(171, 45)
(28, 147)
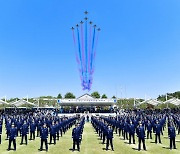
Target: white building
(86, 100)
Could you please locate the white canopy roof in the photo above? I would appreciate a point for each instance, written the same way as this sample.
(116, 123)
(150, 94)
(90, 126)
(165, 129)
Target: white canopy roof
(174, 101)
(151, 101)
(22, 102)
(2, 102)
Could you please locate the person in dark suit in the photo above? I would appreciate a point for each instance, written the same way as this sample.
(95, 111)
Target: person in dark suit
(57, 129)
(18, 126)
(141, 137)
(87, 118)
(75, 136)
(44, 137)
(12, 137)
(178, 124)
(131, 132)
(158, 132)
(8, 127)
(52, 131)
(109, 138)
(125, 130)
(149, 130)
(104, 135)
(172, 136)
(39, 124)
(24, 132)
(32, 130)
(0, 132)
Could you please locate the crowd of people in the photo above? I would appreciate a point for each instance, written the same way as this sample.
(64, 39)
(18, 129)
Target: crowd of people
(140, 123)
(39, 124)
(128, 124)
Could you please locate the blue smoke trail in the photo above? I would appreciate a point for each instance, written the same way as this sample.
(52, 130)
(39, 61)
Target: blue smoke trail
(94, 55)
(94, 35)
(89, 56)
(79, 46)
(82, 43)
(86, 49)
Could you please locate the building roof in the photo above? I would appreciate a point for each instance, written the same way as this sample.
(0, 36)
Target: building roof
(22, 102)
(86, 97)
(2, 102)
(151, 101)
(86, 100)
(174, 101)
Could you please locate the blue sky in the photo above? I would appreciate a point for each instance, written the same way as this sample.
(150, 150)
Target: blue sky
(138, 50)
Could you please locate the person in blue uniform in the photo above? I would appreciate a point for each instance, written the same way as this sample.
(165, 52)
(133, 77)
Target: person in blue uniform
(131, 132)
(141, 137)
(39, 124)
(87, 118)
(125, 130)
(18, 126)
(178, 123)
(149, 129)
(57, 126)
(8, 127)
(172, 136)
(32, 130)
(52, 131)
(44, 137)
(0, 131)
(75, 136)
(12, 137)
(24, 132)
(158, 132)
(105, 128)
(109, 138)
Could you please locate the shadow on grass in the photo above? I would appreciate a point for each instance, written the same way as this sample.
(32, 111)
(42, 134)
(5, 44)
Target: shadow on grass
(101, 143)
(107, 149)
(135, 149)
(177, 141)
(73, 150)
(152, 142)
(165, 147)
(121, 139)
(10, 149)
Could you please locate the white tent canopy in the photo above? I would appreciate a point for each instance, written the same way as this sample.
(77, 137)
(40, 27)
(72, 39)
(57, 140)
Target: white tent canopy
(2, 102)
(151, 101)
(174, 101)
(22, 102)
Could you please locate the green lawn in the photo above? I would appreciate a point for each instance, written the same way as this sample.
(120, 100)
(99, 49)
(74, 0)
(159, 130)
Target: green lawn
(91, 145)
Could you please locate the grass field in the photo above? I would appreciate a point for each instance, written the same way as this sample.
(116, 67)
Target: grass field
(91, 144)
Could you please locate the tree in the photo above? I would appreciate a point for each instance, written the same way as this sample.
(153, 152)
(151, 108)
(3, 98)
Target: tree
(95, 94)
(69, 95)
(114, 97)
(59, 96)
(104, 96)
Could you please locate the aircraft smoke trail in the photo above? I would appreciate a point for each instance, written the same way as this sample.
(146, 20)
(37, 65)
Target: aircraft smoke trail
(94, 35)
(74, 40)
(86, 48)
(79, 45)
(86, 44)
(94, 56)
(82, 42)
(90, 42)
